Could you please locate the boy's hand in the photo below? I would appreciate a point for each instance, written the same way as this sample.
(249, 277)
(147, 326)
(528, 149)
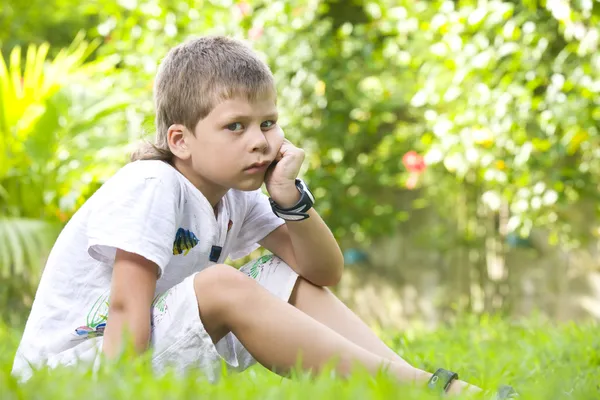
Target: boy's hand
(281, 176)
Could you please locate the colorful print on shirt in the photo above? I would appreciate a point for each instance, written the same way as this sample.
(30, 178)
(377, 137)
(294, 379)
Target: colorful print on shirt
(98, 315)
(159, 308)
(184, 241)
(95, 322)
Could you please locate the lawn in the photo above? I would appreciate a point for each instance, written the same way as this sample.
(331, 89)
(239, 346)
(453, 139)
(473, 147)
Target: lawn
(543, 360)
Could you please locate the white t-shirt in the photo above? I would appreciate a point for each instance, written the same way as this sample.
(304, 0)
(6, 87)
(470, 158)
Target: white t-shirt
(147, 208)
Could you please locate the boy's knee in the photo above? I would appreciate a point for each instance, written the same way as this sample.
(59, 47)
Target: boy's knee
(220, 283)
(219, 289)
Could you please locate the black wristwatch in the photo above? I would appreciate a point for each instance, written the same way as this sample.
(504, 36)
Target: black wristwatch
(441, 380)
(298, 211)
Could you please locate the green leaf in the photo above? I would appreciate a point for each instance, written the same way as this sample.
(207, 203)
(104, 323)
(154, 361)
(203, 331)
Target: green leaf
(23, 243)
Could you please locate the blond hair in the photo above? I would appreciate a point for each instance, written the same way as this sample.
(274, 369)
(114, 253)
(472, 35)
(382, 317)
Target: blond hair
(193, 78)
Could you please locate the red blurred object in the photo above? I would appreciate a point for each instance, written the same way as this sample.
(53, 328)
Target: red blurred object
(414, 162)
(255, 32)
(412, 181)
(243, 8)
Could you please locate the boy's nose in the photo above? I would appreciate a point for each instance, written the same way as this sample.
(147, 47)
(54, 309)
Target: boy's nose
(260, 142)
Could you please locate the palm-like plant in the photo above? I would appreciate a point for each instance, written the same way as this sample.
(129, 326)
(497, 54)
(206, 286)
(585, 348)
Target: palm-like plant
(51, 127)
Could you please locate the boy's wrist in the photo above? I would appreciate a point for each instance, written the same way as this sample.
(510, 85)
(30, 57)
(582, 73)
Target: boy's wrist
(292, 204)
(285, 196)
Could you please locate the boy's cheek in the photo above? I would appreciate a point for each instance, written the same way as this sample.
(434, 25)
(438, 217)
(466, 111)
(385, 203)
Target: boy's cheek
(277, 139)
(278, 131)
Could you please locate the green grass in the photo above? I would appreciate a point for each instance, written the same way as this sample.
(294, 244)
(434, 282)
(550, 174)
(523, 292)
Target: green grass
(542, 360)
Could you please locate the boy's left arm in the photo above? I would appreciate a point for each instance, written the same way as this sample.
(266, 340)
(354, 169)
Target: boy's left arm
(307, 246)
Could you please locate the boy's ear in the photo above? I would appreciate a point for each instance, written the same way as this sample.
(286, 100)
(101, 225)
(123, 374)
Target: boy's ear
(176, 137)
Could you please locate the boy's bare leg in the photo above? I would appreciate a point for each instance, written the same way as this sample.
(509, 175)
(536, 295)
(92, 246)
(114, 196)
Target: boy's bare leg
(275, 332)
(325, 307)
(322, 305)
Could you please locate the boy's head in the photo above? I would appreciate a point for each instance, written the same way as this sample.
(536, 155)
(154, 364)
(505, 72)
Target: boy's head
(214, 100)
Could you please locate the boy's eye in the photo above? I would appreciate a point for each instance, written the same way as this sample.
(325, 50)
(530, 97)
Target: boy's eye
(267, 124)
(236, 126)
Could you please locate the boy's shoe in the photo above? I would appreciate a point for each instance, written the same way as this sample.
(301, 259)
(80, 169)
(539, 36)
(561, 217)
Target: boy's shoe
(506, 392)
(442, 378)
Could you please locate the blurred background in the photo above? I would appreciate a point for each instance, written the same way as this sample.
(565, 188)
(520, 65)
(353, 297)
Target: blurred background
(453, 146)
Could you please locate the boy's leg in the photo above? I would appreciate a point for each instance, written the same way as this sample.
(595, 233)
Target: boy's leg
(275, 332)
(325, 307)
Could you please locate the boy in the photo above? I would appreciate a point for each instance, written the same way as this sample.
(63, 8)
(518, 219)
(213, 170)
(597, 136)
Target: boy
(144, 255)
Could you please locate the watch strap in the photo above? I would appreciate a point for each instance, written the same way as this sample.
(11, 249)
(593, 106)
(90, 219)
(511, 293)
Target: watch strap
(298, 211)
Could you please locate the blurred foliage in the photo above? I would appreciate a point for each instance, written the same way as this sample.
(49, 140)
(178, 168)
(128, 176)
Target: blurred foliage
(468, 108)
(37, 21)
(501, 96)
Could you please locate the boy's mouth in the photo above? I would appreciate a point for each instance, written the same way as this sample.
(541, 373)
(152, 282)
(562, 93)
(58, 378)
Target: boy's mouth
(258, 167)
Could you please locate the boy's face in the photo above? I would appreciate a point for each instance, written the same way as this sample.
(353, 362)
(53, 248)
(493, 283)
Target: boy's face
(229, 142)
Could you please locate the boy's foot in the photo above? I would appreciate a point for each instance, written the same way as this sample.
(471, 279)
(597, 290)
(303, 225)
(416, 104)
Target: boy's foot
(506, 392)
(447, 381)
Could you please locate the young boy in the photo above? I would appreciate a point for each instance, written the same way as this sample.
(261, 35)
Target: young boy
(145, 254)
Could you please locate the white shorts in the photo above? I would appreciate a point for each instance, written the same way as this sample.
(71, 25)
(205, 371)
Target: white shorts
(179, 341)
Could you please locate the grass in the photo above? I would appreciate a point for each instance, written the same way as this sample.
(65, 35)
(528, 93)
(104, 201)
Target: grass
(540, 359)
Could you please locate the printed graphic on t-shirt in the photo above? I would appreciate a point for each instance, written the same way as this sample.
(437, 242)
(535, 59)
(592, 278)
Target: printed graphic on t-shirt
(95, 321)
(98, 315)
(184, 241)
(159, 309)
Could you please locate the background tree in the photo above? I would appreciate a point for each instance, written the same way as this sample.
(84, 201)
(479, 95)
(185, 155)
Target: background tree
(469, 130)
